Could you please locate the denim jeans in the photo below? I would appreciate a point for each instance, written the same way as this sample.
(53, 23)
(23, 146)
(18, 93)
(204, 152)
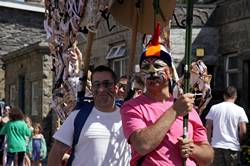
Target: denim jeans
(11, 158)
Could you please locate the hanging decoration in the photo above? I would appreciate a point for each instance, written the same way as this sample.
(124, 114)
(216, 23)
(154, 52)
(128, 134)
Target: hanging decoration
(64, 20)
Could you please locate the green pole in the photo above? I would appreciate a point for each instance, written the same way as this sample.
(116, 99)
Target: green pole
(188, 55)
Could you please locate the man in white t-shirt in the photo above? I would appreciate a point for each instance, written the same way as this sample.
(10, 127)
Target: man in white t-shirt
(226, 128)
(101, 142)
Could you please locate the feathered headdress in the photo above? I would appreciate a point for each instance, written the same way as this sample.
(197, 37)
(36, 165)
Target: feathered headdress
(156, 50)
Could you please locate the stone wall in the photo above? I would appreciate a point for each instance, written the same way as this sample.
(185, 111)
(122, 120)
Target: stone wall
(233, 18)
(48, 116)
(34, 65)
(2, 82)
(26, 64)
(204, 33)
(233, 21)
(104, 39)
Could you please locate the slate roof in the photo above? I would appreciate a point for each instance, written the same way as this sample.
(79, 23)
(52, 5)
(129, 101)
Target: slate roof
(21, 24)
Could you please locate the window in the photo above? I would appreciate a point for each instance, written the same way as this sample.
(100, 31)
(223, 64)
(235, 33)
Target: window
(232, 71)
(117, 59)
(119, 66)
(116, 51)
(12, 95)
(35, 98)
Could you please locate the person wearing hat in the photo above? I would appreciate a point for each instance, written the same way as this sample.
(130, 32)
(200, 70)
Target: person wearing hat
(153, 122)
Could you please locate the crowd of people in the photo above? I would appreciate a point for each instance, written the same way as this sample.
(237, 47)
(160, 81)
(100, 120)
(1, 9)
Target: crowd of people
(143, 130)
(136, 121)
(132, 120)
(21, 142)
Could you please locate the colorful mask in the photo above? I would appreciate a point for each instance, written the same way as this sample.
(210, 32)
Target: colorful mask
(153, 68)
(155, 58)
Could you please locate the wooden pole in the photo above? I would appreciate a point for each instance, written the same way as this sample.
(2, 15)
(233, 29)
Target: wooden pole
(133, 43)
(188, 55)
(133, 52)
(85, 65)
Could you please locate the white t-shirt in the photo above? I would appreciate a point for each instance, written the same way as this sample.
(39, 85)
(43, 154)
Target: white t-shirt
(101, 142)
(226, 117)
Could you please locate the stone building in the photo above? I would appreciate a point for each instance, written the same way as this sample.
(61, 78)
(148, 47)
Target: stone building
(232, 18)
(27, 64)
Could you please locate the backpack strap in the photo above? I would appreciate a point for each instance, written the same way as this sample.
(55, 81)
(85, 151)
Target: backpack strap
(119, 102)
(80, 119)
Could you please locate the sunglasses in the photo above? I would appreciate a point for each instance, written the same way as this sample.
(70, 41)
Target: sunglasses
(120, 85)
(104, 84)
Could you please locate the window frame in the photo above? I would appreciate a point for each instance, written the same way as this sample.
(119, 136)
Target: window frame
(123, 63)
(115, 54)
(34, 98)
(231, 70)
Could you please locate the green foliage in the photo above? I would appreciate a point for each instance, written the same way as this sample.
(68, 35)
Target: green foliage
(245, 155)
(245, 148)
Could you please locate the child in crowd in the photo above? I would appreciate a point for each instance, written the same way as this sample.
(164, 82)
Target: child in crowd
(27, 161)
(37, 146)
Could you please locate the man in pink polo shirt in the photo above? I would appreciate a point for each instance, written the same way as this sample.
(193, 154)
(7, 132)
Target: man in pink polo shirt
(153, 122)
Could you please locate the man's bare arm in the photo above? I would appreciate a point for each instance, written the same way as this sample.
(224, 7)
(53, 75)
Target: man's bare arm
(243, 131)
(56, 153)
(203, 153)
(147, 139)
